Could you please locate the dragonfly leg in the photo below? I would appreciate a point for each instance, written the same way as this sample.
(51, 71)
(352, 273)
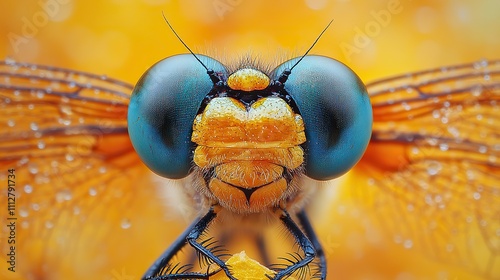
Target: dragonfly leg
(188, 236)
(320, 253)
(304, 243)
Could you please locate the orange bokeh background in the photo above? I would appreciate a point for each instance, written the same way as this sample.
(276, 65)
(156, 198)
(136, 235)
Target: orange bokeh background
(123, 38)
(378, 38)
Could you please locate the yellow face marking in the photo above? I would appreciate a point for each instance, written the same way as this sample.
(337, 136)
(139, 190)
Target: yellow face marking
(249, 149)
(248, 80)
(291, 157)
(268, 123)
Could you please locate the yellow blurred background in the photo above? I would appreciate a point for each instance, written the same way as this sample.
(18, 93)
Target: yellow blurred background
(123, 38)
(377, 38)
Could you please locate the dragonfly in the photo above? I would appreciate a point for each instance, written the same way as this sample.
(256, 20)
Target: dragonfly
(432, 162)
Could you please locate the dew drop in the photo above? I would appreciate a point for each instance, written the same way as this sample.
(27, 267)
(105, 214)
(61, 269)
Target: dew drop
(33, 169)
(470, 174)
(453, 131)
(28, 188)
(410, 207)
(476, 196)
(92, 191)
(492, 159)
(64, 195)
(69, 157)
(480, 64)
(34, 126)
(406, 106)
(10, 61)
(483, 149)
(25, 224)
(408, 244)
(23, 212)
(49, 224)
(65, 109)
(65, 122)
(35, 206)
(40, 145)
(428, 200)
(476, 91)
(443, 147)
(125, 224)
(23, 160)
(434, 168)
(432, 141)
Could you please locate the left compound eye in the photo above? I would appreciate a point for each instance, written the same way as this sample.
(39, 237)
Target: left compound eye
(336, 111)
(162, 108)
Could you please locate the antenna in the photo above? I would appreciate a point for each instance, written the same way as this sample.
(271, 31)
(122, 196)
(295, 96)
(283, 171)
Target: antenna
(178, 37)
(215, 79)
(313, 44)
(284, 76)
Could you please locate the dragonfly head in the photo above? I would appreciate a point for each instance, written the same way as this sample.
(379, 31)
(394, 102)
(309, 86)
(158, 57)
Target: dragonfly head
(249, 134)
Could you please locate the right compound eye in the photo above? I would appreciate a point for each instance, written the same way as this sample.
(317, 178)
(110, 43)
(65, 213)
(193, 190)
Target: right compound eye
(336, 110)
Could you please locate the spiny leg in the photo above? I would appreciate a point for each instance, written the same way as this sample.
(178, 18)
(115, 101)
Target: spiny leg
(308, 229)
(190, 236)
(304, 243)
(159, 265)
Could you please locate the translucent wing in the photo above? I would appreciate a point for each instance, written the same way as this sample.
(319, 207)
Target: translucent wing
(77, 176)
(83, 195)
(434, 163)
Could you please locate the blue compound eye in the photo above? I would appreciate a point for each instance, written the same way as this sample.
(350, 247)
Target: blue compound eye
(162, 108)
(336, 111)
